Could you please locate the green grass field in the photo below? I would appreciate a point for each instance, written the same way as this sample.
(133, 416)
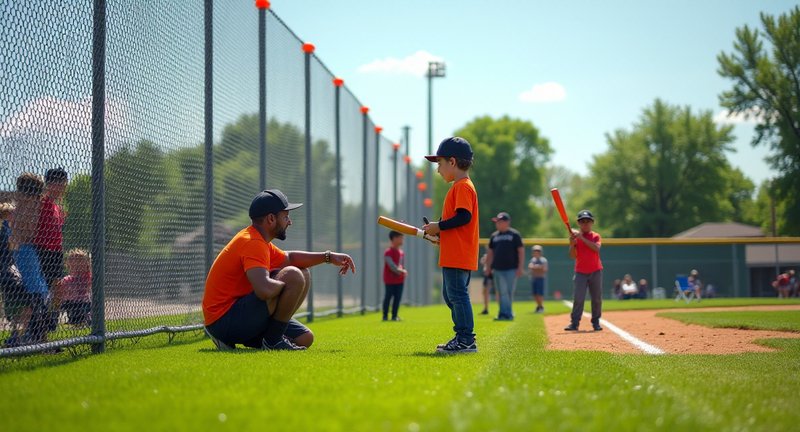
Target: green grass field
(363, 374)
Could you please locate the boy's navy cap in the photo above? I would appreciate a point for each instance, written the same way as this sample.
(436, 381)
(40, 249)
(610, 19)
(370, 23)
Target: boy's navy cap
(585, 214)
(270, 201)
(502, 216)
(456, 147)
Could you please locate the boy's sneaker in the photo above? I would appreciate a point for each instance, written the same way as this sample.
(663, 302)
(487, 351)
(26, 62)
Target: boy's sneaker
(571, 327)
(397, 318)
(597, 327)
(222, 346)
(485, 312)
(456, 347)
(440, 346)
(283, 345)
(539, 309)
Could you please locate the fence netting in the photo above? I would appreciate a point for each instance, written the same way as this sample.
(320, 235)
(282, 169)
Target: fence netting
(154, 261)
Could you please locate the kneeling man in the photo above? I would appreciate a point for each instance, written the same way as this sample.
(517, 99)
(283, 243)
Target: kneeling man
(254, 288)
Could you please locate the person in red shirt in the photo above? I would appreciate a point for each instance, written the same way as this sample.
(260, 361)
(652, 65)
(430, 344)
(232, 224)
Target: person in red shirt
(254, 288)
(49, 238)
(584, 248)
(394, 274)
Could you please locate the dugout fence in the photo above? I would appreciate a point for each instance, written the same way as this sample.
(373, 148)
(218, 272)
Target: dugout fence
(168, 117)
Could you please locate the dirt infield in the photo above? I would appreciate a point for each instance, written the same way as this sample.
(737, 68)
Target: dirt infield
(672, 336)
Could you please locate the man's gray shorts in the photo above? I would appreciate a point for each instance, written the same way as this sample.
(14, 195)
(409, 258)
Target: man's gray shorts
(246, 322)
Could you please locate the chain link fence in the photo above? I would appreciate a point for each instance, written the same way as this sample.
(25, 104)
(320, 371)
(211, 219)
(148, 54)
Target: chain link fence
(133, 137)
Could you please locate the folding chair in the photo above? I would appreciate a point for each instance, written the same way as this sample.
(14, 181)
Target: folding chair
(685, 291)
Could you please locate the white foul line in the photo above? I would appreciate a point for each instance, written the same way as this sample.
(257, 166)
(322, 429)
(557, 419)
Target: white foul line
(638, 343)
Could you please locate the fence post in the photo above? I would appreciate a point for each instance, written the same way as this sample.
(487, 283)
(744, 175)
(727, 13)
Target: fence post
(735, 259)
(262, 6)
(308, 49)
(209, 134)
(338, 83)
(364, 221)
(653, 267)
(378, 257)
(98, 173)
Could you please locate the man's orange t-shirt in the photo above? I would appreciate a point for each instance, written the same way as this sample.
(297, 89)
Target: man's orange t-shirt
(458, 247)
(227, 281)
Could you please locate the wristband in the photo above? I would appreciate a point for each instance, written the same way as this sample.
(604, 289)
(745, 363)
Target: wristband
(327, 257)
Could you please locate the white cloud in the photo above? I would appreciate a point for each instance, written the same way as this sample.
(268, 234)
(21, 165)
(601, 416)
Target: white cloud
(751, 116)
(542, 93)
(49, 115)
(416, 64)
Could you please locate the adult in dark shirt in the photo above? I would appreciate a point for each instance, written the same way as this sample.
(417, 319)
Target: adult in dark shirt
(504, 261)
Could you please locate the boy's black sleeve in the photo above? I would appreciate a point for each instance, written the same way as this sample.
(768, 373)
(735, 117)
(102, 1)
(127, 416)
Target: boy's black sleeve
(462, 217)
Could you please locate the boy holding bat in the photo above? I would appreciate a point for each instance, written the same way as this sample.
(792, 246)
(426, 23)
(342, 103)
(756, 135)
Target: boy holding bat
(584, 248)
(458, 240)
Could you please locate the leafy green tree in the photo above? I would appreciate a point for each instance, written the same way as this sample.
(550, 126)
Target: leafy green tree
(574, 192)
(668, 173)
(766, 84)
(510, 155)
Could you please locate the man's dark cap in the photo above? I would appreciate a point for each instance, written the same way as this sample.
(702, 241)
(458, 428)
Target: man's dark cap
(456, 147)
(502, 216)
(270, 201)
(585, 214)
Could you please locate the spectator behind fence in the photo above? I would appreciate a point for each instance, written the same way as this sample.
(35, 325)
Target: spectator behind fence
(538, 267)
(696, 283)
(794, 284)
(23, 230)
(782, 285)
(394, 274)
(48, 238)
(254, 288)
(643, 288)
(74, 292)
(616, 290)
(14, 296)
(629, 288)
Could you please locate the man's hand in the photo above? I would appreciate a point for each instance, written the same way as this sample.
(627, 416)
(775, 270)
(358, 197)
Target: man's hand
(344, 262)
(519, 271)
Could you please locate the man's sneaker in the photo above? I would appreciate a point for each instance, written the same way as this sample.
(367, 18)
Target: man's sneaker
(397, 318)
(456, 347)
(539, 309)
(571, 327)
(597, 327)
(222, 346)
(283, 345)
(485, 312)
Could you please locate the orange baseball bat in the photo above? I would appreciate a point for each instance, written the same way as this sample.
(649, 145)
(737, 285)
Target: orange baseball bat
(406, 229)
(560, 207)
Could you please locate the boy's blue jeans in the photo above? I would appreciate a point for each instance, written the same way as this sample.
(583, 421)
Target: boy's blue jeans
(456, 295)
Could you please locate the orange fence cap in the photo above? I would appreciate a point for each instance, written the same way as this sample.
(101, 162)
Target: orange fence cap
(308, 48)
(338, 82)
(364, 110)
(262, 4)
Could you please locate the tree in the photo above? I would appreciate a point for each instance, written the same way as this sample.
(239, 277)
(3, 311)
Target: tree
(510, 155)
(767, 86)
(575, 193)
(667, 174)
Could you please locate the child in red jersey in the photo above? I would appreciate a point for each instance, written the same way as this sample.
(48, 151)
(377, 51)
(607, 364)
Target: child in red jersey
(584, 248)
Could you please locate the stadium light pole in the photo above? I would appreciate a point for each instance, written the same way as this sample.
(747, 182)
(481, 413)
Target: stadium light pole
(436, 69)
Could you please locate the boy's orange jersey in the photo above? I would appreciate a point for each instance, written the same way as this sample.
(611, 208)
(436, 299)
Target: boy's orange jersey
(459, 246)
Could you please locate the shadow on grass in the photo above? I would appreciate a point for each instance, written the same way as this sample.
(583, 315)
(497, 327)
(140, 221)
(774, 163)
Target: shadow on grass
(433, 354)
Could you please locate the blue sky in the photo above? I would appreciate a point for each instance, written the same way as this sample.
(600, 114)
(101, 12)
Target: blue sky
(577, 70)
